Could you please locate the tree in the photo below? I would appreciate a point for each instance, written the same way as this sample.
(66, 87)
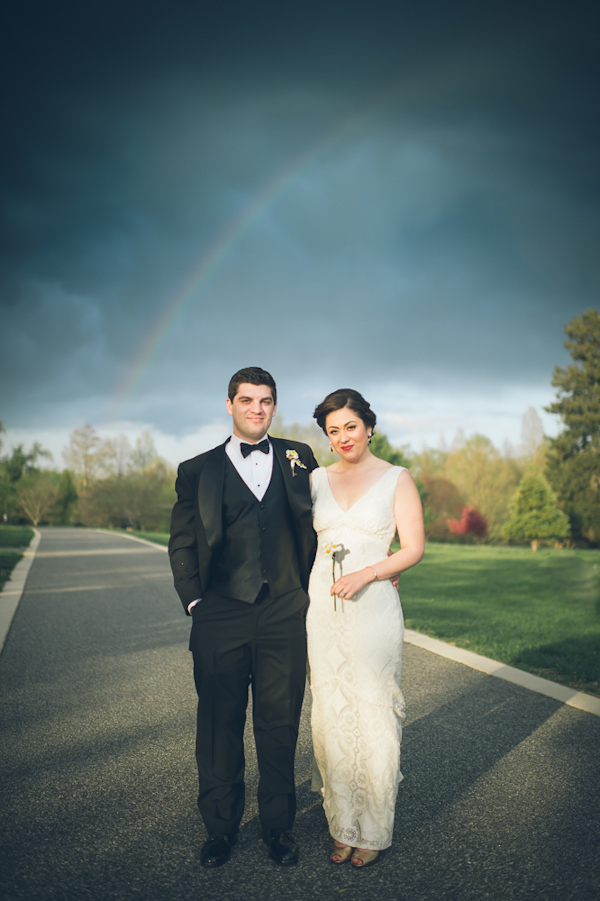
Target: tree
(381, 447)
(13, 467)
(22, 461)
(118, 455)
(62, 513)
(310, 434)
(444, 502)
(574, 456)
(144, 454)
(485, 478)
(87, 455)
(472, 473)
(118, 486)
(37, 492)
(471, 523)
(534, 513)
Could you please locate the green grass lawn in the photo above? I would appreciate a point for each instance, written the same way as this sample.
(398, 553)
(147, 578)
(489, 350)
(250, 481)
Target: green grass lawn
(536, 611)
(12, 539)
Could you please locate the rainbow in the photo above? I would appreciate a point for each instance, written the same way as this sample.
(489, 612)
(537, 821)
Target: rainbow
(224, 244)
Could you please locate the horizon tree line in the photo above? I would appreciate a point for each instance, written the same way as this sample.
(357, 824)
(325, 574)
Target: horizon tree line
(547, 492)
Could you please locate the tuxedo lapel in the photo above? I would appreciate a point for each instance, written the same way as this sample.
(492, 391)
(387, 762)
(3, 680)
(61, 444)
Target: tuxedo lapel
(210, 496)
(296, 485)
(298, 493)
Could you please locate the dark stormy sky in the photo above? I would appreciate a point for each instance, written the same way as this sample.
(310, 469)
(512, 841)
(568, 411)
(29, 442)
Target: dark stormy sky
(397, 197)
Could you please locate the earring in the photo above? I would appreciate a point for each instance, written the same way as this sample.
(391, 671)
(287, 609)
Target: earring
(331, 448)
(369, 436)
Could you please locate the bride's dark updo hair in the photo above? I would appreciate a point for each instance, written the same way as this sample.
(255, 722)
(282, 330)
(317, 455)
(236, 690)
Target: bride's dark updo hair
(345, 397)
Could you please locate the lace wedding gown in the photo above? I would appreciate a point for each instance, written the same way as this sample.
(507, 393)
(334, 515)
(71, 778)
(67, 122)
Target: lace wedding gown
(355, 657)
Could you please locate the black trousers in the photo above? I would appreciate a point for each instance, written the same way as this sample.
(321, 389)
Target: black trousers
(235, 645)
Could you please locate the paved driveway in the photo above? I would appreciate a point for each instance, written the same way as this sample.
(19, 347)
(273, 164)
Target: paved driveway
(501, 798)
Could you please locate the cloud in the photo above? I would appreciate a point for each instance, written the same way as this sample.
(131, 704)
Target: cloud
(392, 197)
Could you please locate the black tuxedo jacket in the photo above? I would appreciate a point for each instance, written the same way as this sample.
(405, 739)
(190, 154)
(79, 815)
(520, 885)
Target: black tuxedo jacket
(197, 518)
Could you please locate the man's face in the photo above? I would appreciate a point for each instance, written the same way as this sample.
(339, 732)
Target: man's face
(252, 409)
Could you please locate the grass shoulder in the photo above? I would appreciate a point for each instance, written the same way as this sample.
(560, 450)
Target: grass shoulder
(156, 537)
(13, 540)
(537, 611)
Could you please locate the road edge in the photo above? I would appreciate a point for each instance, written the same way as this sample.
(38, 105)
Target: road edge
(562, 693)
(13, 589)
(161, 547)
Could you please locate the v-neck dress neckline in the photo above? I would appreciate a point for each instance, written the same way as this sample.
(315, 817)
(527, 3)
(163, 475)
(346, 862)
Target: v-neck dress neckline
(363, 495)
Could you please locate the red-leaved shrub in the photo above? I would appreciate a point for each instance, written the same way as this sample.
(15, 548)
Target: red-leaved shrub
(471, 523)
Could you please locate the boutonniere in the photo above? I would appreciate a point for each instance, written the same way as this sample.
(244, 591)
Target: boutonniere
(295, 460)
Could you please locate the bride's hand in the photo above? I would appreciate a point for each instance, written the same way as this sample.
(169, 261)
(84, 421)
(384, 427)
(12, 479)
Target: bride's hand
(347, 586)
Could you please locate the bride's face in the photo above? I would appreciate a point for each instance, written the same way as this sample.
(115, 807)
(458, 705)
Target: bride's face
(348, 434)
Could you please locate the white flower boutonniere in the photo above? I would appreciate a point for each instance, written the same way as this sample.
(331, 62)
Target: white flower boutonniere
(295, 460)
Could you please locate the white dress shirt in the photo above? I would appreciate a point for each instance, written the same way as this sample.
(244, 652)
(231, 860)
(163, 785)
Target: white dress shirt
(256, 470)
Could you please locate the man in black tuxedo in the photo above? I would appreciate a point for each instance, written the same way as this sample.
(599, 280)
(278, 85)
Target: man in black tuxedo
(241, 549)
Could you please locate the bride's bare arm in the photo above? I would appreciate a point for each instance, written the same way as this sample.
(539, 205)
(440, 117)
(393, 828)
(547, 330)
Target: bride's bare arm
(408, 514)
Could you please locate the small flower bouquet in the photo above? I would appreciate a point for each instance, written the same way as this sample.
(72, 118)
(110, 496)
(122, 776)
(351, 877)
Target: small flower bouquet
(336, 551)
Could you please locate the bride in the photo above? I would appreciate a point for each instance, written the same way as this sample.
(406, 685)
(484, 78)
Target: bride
(355, 628)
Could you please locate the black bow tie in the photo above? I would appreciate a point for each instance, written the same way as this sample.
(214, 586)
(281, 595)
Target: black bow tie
(261, 446)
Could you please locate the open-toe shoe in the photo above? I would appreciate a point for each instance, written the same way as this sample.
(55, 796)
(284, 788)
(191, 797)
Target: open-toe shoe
(340, 853)
(363, 858)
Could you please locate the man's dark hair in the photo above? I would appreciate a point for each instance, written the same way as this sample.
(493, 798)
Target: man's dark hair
(345, 397)
(252, 375)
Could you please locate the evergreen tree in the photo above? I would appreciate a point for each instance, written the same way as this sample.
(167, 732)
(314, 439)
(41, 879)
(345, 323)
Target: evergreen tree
(534, 513)
(381, 447)
(574, 456)
(63, 512)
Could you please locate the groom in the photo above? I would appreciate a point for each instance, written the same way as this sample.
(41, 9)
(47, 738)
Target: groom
(241, 549)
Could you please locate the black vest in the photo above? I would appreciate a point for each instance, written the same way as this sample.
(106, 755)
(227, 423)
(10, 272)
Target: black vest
(259, 541)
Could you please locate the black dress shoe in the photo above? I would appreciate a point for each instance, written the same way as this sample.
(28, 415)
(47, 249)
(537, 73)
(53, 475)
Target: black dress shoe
(216, 850)
(282, 847)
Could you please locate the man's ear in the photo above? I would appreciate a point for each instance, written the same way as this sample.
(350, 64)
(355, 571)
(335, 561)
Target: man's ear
(229, 407)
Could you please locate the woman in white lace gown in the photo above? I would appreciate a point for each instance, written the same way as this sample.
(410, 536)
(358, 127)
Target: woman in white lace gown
(355, 628)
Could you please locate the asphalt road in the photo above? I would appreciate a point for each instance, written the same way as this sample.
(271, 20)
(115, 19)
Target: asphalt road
(501, 797)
